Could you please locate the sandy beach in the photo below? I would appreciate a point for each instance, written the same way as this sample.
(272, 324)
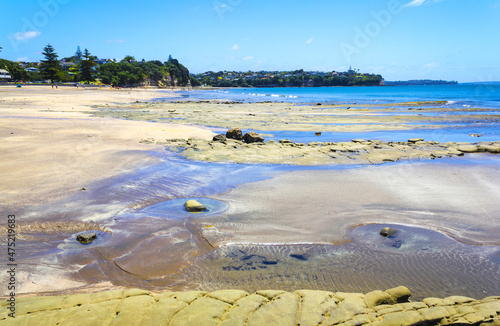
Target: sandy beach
(52, 148)
(75, 160)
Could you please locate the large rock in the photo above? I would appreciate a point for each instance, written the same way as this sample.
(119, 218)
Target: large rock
(194, 206)
(234, 133)
(252, 137)
(400, 294)
(86, 238)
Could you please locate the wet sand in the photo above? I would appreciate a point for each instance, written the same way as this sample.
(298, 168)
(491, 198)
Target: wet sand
(274, 214)
(52, 148)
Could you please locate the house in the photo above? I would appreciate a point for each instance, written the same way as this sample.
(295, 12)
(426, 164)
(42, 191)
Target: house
(4, 75)
(66, 65)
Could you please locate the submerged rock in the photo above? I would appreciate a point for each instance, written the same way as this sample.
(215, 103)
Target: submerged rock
(194, 206)
(387, 232)
(234, 133)
(252, 137)
(86, 238)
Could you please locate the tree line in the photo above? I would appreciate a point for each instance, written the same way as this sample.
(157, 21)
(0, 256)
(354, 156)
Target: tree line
(295, 79)
(84, 68)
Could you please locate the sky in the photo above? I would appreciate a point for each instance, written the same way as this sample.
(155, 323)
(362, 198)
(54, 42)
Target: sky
(399, 39)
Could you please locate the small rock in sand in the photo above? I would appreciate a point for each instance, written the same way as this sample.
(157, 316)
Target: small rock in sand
(86, 238)
(252, 137)
(219, 138)
(387, 232)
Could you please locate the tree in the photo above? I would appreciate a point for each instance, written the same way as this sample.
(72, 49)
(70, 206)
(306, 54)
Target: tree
(128, 58)
(78, 54)
(50, 67)
(86, 66)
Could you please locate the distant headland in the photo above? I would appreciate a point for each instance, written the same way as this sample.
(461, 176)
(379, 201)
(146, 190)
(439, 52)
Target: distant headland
(295, 78)
(419, 82)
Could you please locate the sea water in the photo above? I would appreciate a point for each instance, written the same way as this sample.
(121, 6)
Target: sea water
(461, 95)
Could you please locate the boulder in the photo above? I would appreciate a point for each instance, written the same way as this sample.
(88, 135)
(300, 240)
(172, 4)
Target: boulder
(414, 140)
(318, 133)
(387, 232)
(377, 297)
(234, 133)
(399, 294)
(252, 137)
(194, 206)
(219, 138)
(86, 238)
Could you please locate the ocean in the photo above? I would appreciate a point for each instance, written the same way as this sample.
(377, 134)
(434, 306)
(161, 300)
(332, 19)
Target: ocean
(461, 95)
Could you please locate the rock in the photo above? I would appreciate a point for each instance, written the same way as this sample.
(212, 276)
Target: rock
(252, 137)
(468, 148)
(234, 133)
(400, 294)
(387, 232)
(414, 140)
(86, 238)
(219, 138)
(377, 297)
(285, 141)
(358, 140)
(475, 135)
(194, 206)
(318, 133)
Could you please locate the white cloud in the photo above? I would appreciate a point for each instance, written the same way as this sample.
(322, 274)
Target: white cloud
(23, 59)
(235, 47)
(309, 41)
(415, 3)
(248, 58)
(431, 65)
(26, 35)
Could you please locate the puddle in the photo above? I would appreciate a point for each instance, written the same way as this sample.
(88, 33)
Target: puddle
(174, 208)
(406, 239)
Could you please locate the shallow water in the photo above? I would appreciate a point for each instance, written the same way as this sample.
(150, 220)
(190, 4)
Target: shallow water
(426, 261)
(487, 132)
(156, 244)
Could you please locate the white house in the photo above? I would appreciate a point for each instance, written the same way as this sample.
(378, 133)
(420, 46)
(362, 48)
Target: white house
(4, 75)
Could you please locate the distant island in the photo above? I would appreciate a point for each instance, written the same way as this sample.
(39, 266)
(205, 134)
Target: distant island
(295, 78)
(419, 82)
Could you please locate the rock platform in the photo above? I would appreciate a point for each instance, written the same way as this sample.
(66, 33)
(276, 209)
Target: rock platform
(357, 151)
(237, 307)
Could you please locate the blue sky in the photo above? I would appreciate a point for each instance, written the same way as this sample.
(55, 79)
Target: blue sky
(400, 39)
